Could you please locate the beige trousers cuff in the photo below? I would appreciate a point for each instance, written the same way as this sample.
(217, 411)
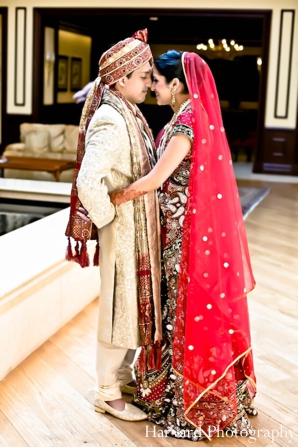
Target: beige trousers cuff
(114, 367)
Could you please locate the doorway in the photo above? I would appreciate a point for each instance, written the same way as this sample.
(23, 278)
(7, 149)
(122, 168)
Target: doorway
(241, 81)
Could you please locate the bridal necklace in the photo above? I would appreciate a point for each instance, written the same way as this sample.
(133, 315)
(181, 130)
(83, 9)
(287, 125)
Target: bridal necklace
(181, 109)
(168, 127)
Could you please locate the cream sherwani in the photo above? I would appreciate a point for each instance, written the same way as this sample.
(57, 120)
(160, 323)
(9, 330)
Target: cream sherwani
(107, 166)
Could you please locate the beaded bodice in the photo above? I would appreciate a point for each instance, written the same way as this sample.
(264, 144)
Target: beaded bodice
(173, 194)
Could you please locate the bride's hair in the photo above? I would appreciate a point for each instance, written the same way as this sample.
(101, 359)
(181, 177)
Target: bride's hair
(169, 65)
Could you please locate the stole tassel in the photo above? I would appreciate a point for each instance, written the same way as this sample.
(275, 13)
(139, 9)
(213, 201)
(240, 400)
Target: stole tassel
(80, 254)
(158, 356)
(77, 252)
(151, 358)
(142, 360)
(96, 255)
(69, 254)
(83, 258)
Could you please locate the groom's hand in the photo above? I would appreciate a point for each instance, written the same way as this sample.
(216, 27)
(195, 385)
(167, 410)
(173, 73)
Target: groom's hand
(83, 214)
(113, 198)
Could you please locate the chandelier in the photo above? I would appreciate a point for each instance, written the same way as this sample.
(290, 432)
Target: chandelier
(222, 49)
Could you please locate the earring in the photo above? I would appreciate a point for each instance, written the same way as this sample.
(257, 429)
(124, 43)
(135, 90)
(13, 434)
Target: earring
(173, 97)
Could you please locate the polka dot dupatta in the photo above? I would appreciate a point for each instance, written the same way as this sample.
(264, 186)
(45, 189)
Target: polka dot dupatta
(212, 344)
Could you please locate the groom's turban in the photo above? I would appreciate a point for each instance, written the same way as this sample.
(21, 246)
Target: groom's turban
(125, 57)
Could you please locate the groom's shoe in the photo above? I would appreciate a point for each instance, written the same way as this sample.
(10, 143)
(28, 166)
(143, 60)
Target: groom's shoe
(130, 412)
(128, 389)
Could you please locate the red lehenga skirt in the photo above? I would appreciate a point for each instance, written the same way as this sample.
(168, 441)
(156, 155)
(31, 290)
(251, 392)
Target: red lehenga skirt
(160, 393)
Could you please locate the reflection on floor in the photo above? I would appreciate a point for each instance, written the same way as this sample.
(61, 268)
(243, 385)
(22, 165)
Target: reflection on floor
(12, 221)
(250, 198)
(243, 170)
(15, 214)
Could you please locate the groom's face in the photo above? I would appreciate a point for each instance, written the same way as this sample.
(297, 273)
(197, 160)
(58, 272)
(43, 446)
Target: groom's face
(136, 86)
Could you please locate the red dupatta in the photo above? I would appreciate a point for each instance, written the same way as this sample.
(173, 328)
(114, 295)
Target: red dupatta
(212, 346)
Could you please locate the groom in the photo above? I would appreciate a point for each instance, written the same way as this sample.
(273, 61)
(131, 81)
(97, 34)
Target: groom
(118, 150)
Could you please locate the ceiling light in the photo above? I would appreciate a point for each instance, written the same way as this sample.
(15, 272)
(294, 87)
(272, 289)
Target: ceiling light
(220, 49)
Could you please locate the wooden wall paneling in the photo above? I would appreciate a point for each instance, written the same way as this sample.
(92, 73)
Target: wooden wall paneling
(3, 12)
(284, 65)
(20, 57)
(278, 152)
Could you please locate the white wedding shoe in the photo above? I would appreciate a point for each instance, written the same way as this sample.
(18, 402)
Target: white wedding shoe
(130, 412)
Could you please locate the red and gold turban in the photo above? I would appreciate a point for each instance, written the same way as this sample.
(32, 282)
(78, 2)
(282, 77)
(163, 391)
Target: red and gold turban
(125, 57)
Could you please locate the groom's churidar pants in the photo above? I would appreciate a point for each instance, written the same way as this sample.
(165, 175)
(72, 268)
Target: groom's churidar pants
(114, 367)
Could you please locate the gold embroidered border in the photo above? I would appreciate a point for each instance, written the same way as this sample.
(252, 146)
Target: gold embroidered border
(209, 389)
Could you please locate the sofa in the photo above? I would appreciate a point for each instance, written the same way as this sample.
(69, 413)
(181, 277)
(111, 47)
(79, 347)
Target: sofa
(57, 141)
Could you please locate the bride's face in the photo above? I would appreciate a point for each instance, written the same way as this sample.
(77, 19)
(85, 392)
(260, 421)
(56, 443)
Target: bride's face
(161, 88)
